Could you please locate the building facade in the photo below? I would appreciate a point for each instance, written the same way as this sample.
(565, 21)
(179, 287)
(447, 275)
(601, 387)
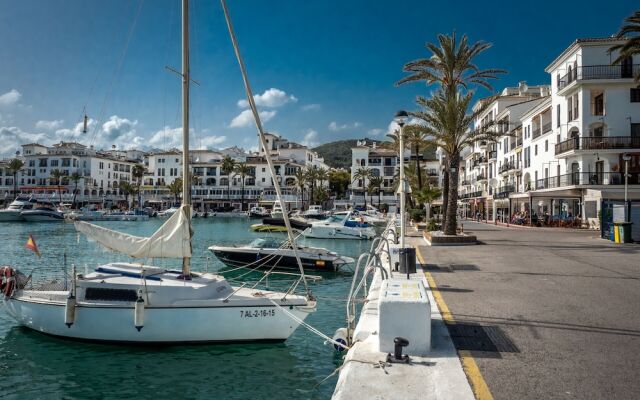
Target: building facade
(564, 150)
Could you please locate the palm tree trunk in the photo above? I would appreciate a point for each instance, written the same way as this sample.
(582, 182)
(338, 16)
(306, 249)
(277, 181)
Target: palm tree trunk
(418, 167)
(379, 196)
(452, 201)
(445, 194)
(15, 186)
(242, 205)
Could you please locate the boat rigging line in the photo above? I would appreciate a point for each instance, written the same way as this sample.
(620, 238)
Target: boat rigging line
(263, 142)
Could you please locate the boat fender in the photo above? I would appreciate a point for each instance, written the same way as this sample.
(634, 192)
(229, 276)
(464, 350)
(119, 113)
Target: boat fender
(7, 280)
(341, 336)
(138, 319)
(70, 310)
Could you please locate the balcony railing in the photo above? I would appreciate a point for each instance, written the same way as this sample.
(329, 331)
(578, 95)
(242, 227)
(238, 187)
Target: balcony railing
(432, 172)
(465, 182)
(598, 143)
(536, 132)
(503, 192)
(481, 177)
(587, 178)
(507, 167)
(546, 127)
(469, 195)
(493, 155)
(590, 72)
(389, 171)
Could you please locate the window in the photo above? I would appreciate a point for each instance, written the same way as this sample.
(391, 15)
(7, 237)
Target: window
(634, 95)
(570, 109)
(576, 107)
(546, 146)
(635, 130)
(598, 104)
(535, 150)
(54, 163)
(558, 116)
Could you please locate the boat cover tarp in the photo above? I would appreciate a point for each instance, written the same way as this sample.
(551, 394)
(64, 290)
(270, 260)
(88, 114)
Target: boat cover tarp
(171, 240)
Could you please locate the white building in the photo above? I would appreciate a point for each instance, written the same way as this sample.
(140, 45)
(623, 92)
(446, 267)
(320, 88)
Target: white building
(100, 173)
(562, 153)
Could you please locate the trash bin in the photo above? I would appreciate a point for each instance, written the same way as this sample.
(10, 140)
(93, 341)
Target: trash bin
(623, 234)
(408, 260)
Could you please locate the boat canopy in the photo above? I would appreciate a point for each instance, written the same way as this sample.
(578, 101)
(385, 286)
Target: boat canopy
(171, 240)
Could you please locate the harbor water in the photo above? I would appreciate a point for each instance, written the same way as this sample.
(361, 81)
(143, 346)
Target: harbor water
(33, 365)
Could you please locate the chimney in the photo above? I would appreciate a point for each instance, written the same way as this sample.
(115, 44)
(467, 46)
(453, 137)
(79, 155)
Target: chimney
(374, 145)
(522, 87)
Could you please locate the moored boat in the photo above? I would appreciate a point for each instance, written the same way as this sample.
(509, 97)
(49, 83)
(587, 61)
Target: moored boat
(340, 227)
(12, 212)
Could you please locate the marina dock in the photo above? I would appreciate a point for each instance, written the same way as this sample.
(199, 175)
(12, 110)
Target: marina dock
(365, 372)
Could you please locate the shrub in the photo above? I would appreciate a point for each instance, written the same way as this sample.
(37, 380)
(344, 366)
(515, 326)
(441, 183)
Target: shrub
(384, 207)
(433, 225)
(416, 214)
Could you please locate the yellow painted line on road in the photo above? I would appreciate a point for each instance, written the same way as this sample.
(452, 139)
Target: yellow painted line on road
(474, 376)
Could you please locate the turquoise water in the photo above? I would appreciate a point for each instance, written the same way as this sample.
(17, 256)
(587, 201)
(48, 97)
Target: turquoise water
(36, 366)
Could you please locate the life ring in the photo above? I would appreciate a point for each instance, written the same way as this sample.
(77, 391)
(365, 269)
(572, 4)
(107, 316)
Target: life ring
(7, 280)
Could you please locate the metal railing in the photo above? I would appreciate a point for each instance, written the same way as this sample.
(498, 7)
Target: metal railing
(591, 72)
(598, 143)
(587, 178)
(536, 132)
(546, 127)
(503, 191)
(506, 167)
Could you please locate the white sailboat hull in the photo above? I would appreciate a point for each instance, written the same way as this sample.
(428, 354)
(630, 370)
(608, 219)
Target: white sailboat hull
(224, 323)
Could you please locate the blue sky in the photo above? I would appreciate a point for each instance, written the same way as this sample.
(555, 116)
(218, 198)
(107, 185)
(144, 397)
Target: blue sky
(324, 70)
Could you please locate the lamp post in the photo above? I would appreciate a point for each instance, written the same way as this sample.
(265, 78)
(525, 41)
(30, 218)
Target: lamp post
(626, 157)
(401, 119)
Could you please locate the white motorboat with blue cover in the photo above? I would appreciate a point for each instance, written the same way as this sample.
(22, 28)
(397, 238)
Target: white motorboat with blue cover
(12, 213)
(340, 227)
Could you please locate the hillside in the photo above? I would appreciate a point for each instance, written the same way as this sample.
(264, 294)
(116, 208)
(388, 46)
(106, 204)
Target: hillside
(338, 154)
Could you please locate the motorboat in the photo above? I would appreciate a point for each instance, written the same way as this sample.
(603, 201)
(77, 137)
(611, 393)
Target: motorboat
(168, 212)
(314, 212)
(295, 223)
(267, 253)
(276, 212)
(12, 213)
(340, 227)
(137, 303)
(86, 214)
(259, 212)
(42, 213)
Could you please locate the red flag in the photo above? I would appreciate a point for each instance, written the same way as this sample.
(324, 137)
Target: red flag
(31, 245)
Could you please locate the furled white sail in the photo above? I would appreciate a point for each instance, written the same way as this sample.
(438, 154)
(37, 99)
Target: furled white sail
(171, 240)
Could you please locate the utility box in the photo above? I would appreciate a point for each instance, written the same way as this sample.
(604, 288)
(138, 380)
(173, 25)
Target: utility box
(404, 311)
(396, 252)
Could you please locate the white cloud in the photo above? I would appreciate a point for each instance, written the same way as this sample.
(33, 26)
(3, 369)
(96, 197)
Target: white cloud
(393, 125)
(245, 118)
(333, 126)
(270, 98)
(11, 139)
(166, 138)
(310, 138)
(375, 131)
(49, 125)
(209, 142)
(116, 130)
(311, 107)
(10, 98)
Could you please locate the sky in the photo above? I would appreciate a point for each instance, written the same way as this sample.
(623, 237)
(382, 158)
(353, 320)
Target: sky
(320, 70)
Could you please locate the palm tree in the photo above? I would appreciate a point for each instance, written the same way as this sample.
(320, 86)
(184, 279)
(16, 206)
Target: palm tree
(126, 188)
(322, 175)
(301, 179)
(631, 47)
(175, 188)
(339, 180)
(448, 125)
(227, 166)
(416, 137)
(426, 196)
(363, 173)
(243, 170)
(15, 165)
(311, 176)
(451, 67)
(75, 178)
(375, 184)
(137, 173)
(56, 177)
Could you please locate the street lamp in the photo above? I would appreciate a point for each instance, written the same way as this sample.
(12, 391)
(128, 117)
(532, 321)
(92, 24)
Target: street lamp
(401, 119)
(626, 157)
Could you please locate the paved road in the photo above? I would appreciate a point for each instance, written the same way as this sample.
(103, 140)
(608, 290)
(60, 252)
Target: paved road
(549, 314)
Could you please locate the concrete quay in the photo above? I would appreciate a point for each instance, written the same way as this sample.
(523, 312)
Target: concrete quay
(366, 375)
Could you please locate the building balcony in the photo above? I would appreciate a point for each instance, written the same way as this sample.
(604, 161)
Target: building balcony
(507, 167)
(465, 182)
(546, 127)
(493, 155)
(504, 191)
(389, 171)
(594, 72)
(536, 132)
(470, 195)
(481, 178)
(598, 143)
(482, 145)
(432, 172)
(587, 178)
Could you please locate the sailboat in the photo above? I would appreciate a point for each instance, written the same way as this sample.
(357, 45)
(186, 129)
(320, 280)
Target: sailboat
(140, 303)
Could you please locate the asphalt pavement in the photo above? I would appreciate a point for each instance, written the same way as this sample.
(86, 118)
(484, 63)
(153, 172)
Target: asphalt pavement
(547, 314)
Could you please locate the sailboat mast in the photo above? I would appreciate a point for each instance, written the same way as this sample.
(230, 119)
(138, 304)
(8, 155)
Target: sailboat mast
(186, 182)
